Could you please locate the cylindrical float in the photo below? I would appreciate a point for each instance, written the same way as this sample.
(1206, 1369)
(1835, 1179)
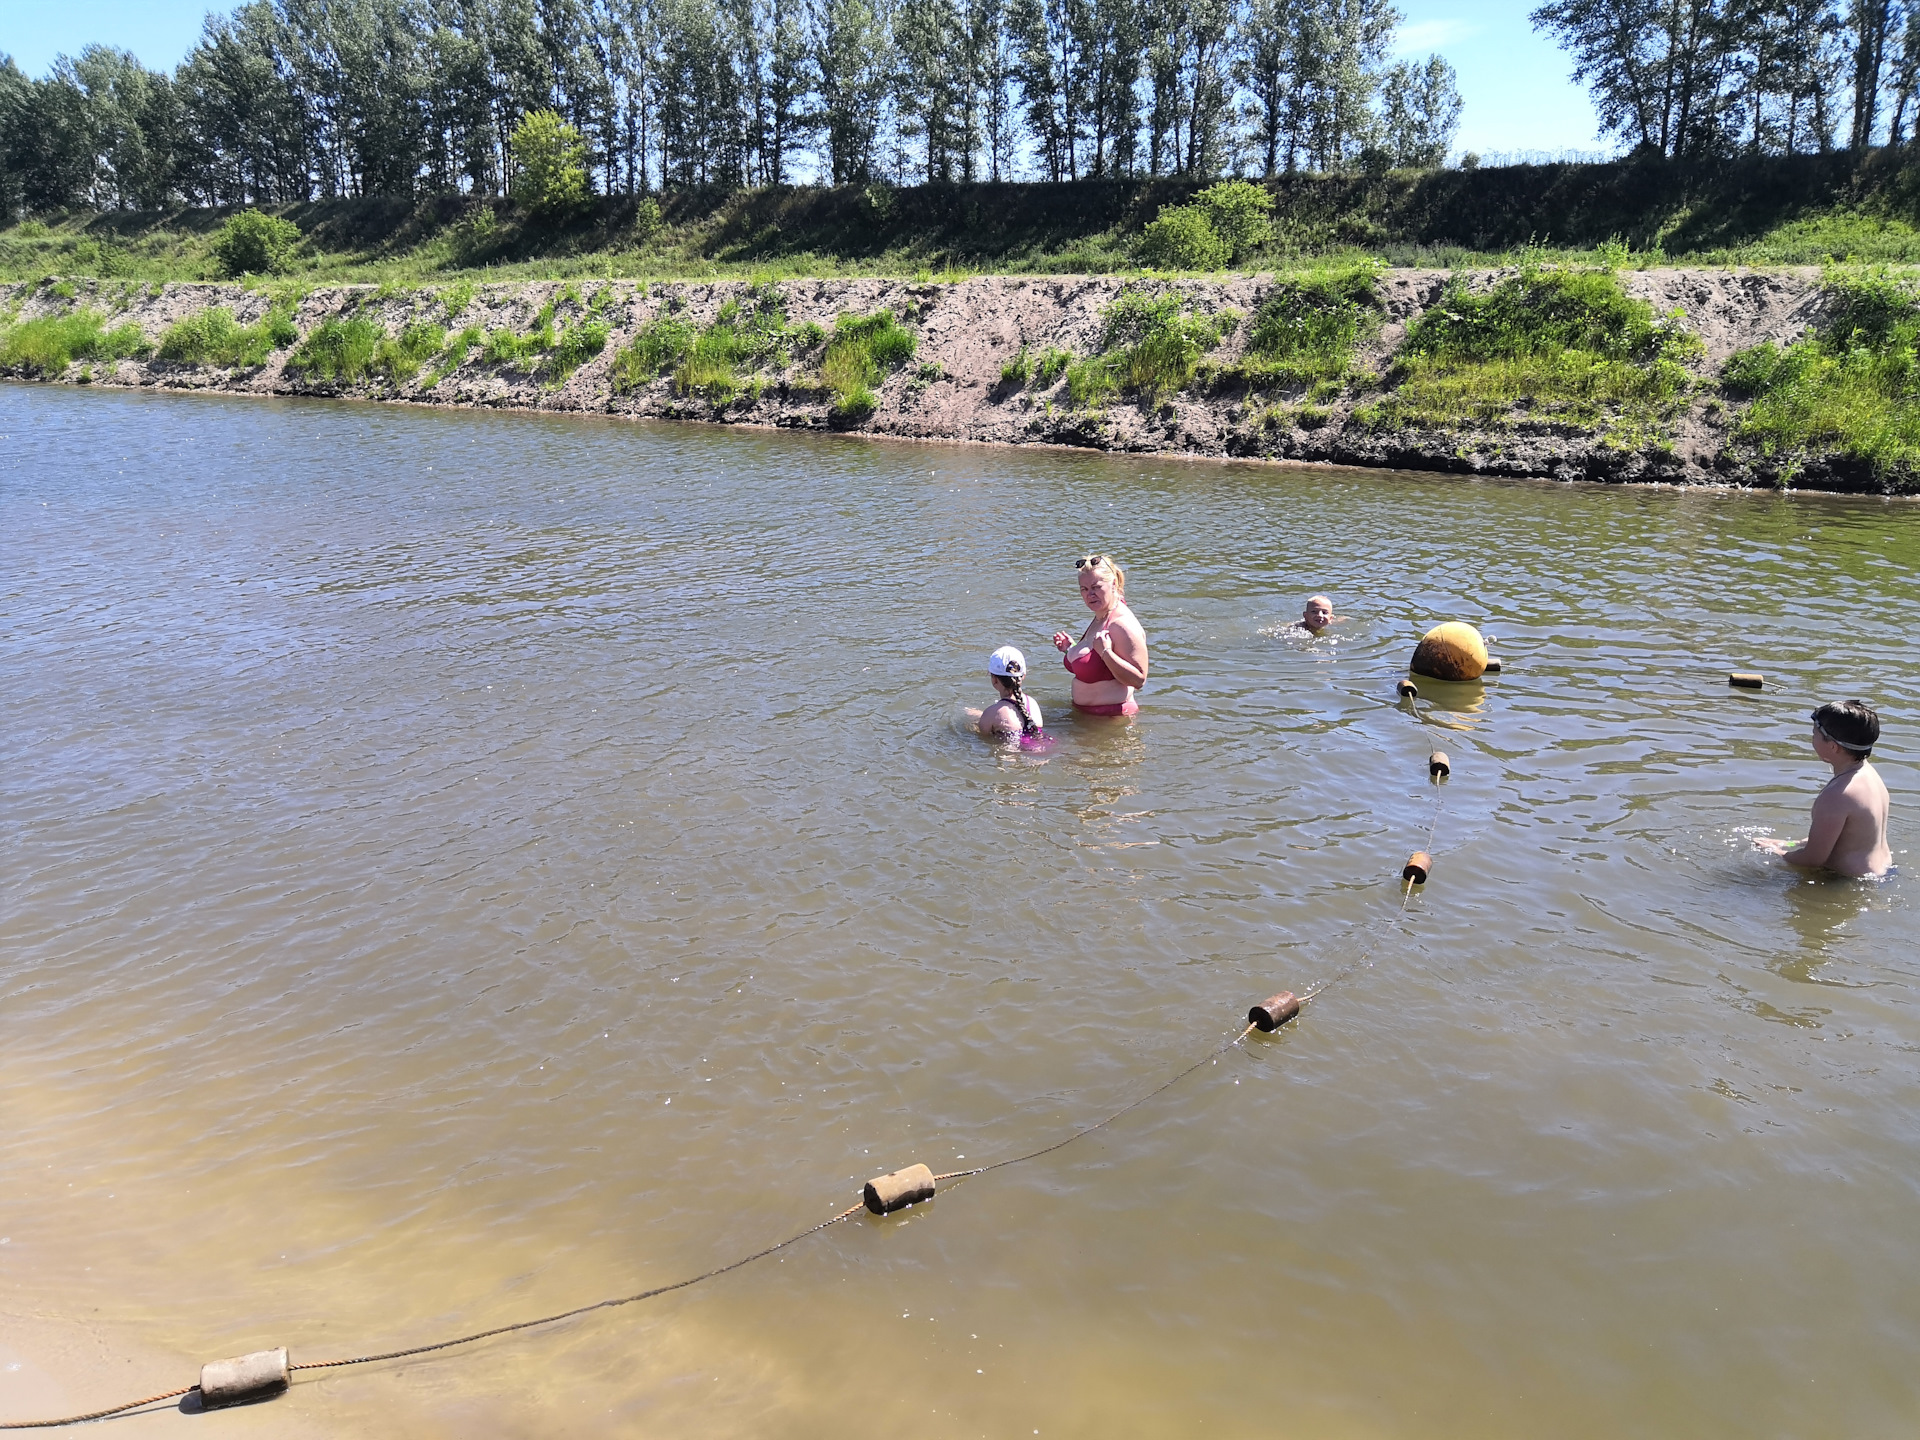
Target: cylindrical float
(1419, 865)
(1493, 665)
(1438, 765)
(1275, 1011)
(1746, 680)
(1407, 690)
(245, 1377)
(1453, 651)
(887, 1193)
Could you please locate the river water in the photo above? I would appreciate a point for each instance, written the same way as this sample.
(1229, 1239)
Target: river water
(461, 866)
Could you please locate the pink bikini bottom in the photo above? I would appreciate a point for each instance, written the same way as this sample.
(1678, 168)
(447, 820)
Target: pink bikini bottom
(1127, 708)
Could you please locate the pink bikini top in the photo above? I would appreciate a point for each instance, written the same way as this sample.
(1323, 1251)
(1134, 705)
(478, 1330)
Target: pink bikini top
(1089, 668)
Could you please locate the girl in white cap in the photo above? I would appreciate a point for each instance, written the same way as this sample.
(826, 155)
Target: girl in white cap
(1014, 715)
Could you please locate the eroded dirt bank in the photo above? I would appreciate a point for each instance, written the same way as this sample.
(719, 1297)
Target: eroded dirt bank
(954, 389)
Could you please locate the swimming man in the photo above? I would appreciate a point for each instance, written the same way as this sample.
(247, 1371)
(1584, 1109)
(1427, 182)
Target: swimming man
(1849, 829)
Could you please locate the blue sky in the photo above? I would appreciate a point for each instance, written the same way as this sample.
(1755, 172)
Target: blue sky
(1515, 83)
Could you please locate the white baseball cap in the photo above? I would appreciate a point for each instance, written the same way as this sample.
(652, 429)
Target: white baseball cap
(1007, 662)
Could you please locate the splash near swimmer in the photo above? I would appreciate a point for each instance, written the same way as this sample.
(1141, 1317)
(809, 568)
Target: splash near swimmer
(1015, 716)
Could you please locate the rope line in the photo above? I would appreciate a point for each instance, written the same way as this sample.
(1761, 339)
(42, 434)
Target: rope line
(1158, 1090)
(718, 1270)
(1380, 926)
(1380, 932)
(96, 1414)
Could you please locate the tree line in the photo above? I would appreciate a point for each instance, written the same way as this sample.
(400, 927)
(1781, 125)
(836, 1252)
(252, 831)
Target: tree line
(291, 100)
(1698, 79)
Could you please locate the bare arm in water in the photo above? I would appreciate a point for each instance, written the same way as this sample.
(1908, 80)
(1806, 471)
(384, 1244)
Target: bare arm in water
(1848, 832)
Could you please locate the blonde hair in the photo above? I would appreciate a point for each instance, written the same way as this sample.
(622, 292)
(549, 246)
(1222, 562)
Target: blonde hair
(1104, 565)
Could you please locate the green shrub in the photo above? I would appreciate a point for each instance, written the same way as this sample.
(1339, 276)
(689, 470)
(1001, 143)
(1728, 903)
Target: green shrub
(337, 349)
(890, 344)
(656, 348)
(1543, 311)
(549, 163)
(1568, 344)
(455, 300)
(862, 350)
(647, 220)
(1308, 327)
(1016, 370)
(254, 243)
(1182, 237)
(47, 346)
(214, 337)
(1241, 214)
(474, 236)
(1851, 386)
(102, 258)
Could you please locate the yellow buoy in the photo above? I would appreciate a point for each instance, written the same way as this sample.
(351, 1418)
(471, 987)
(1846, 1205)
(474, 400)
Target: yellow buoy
(1453, 651)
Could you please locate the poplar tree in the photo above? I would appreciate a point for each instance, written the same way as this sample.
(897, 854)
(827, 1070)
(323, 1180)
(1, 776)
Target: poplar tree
(853, 50)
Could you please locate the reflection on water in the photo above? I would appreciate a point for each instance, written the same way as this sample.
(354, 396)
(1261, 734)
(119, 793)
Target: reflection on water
(1449, 704)
(464, 865)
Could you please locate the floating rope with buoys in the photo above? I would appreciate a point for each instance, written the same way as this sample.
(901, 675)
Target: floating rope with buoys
(266, 1373)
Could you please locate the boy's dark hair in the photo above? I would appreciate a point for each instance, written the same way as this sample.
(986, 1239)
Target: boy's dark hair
(1852, 724)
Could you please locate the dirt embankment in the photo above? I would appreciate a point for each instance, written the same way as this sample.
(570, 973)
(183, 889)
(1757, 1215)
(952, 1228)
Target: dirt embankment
(953, 388)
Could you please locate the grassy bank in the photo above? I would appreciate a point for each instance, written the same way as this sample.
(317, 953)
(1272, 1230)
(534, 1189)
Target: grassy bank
(1808, 209)
(1542, 368)
(1849, 388)
(1553, 346)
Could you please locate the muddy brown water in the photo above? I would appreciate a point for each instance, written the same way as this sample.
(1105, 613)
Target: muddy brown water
(459, 866)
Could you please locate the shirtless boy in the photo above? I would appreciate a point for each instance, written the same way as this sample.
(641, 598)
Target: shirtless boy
(1318, 614)
(1849, 829)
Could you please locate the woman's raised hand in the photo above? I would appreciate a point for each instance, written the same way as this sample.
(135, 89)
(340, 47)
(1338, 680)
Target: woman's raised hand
(1062, 641)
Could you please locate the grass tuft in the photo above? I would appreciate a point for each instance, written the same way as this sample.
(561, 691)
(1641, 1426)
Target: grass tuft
(400, 357)
(337, 350)
(47, 346)
(577, 346)
(1151, 347)
(455, 355)
(1852, 385)
(214, 337)
(741, 337)
(1309, 326)
(863, 349)
(656, 348)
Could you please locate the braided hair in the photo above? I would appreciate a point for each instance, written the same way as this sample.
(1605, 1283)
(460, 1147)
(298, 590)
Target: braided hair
(1027, 728)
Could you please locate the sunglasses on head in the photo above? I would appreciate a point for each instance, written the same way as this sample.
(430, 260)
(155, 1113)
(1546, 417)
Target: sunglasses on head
(1085, 560)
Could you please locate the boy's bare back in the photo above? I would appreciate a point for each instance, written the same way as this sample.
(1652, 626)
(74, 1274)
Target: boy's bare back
(1850, 816)
(1848, 833)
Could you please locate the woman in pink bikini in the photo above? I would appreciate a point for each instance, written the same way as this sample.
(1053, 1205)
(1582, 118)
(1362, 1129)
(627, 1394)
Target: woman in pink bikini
(1109, 661)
